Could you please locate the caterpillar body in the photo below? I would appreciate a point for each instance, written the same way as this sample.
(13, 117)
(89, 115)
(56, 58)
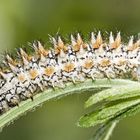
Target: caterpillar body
(22, 78)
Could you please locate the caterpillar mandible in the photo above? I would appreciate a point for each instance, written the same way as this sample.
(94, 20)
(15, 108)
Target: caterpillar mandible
(22, 78)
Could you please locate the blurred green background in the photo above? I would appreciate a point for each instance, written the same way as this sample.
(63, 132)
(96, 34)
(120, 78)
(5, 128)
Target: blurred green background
(22, 21)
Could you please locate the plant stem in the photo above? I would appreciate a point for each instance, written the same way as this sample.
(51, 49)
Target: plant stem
(110, 130)
(56, 93)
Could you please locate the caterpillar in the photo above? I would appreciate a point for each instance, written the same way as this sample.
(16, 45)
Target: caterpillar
(24, 77)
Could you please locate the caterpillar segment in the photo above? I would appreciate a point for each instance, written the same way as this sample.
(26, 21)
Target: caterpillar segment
(24, 77)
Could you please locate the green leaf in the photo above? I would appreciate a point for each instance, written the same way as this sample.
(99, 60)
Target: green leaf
(113, 94)
(105, 131)
(107, 113)
(129, 112)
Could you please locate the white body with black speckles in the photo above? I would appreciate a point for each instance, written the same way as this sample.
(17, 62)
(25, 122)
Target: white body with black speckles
(72, 62)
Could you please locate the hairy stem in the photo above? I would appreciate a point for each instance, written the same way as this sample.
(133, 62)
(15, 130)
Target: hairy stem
(56, 93)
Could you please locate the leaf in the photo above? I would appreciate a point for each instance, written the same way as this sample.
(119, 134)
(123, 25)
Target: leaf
(129, 112)
(113, 94)
(105, 130)
(70, 88)
(115, 104)
(107, 113)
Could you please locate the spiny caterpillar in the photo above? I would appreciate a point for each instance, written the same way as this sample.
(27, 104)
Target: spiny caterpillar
(22, 78)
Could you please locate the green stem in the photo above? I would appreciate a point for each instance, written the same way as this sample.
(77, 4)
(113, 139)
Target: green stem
(110, 131)
(104, 131)
(70, 88)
